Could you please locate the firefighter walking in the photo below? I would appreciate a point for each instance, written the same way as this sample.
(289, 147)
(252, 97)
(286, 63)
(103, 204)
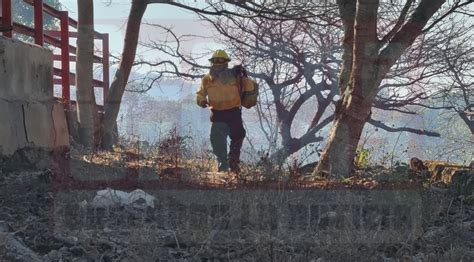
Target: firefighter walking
(225, 91)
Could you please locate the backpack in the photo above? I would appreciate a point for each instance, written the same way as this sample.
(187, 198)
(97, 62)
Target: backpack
(248, 99)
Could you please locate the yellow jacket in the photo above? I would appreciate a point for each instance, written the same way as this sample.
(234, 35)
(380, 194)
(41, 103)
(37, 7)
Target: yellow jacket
(222, 93)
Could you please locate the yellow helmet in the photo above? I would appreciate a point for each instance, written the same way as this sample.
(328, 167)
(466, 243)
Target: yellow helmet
(219, 56)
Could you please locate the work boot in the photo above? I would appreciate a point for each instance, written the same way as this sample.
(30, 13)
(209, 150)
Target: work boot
(234, 154)
(223, 166)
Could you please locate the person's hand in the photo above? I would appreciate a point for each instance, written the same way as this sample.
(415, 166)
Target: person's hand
(203, 104)
(240, 70)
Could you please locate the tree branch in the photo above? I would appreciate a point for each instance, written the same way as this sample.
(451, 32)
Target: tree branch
(381, 125)
(266, 10)
(450, 11)
(407, 34)
(400, 21)
(347, 11)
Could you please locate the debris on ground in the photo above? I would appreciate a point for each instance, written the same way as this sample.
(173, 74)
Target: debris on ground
(109, 198)
(27, 225)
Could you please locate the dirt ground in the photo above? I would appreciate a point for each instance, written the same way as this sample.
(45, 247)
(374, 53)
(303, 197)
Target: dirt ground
(27, 220)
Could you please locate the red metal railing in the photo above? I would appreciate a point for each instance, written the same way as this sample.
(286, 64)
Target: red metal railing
(6, 18)
(58, 39)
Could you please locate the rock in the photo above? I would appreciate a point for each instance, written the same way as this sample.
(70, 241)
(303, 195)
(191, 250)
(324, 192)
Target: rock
(83, 204)
(106, 244)
(5, 227)
(467, 236)
(462, 182)
(64, 251)
(420, 257)
(45, 177)
(68, 241)
(77, 251)
(469, 200)
(16, 250)
(108, 230)
(433, 234)
(388, 259)
(467, 225)
(54, 255)
(431, 257)
(170, 240)
(81, 259)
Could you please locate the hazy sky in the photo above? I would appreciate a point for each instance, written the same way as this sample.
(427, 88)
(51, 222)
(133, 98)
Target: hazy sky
(110, 16)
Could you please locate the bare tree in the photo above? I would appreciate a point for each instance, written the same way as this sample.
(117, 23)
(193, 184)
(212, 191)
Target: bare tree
(112, 103)
(458, 91)
(367, 61)
(296, 62)
(86, 110)
(454, 90)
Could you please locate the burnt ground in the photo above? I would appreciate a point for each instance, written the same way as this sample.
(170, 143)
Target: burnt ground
(27, 227)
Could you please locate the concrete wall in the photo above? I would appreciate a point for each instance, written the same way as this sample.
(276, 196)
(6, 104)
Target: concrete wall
(29, 115)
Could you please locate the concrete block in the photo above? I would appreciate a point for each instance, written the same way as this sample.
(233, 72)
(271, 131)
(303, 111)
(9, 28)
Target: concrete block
(26, 71)
(12, 131)
(61, 132)
(39, 124)
(28, 112)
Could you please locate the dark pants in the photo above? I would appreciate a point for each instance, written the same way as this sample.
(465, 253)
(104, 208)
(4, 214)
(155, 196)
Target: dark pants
(227, 123)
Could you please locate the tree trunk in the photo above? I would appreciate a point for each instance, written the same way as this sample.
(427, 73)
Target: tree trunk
(369, 67)
(354, 109)
(117, 88)
(347, 9)
(338, 155)
(86, 108)
(467, 120)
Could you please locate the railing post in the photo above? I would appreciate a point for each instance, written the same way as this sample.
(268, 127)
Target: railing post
(105, 66)
(7, 16)
(65, 57)
(39, 35)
